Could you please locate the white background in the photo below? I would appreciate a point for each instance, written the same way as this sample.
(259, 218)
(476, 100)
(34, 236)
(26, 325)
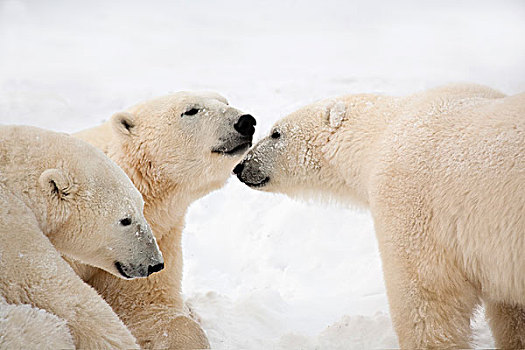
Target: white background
(261, 270)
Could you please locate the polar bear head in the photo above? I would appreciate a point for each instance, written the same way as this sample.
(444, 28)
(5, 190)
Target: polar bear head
(185, 141)
(303, 153)
(94, 214)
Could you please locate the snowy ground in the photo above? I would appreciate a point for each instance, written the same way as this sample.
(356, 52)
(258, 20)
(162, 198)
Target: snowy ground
(262, 271)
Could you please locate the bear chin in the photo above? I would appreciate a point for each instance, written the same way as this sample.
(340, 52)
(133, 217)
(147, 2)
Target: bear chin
(235, 151)
(255, 185)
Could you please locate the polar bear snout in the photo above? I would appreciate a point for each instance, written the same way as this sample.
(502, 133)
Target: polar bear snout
(155, 268)
(141, 257)
(237, 141)
(139, 271)
(132, 271)
(245, 125)
(238, 169)
(249, 173)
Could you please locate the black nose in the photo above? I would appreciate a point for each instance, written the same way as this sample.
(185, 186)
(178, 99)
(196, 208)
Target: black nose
(238, 168)
(155, 268)
(245, 125)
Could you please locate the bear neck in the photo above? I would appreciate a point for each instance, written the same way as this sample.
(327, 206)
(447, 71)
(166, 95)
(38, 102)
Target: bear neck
(166, 200)
(360, 136)
(166, 213)
(24, 162)
(32, 198)
(168, 209)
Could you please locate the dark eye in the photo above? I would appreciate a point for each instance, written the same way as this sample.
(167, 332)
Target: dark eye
(276, 135)
(125, 222)
(192, 111)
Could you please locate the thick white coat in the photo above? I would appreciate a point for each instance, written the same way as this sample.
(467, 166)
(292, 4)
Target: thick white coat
(59, 198)
(443, 173)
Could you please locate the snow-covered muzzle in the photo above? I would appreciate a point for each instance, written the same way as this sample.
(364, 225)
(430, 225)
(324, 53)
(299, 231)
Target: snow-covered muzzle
(144, 256)
(255, 169)
(250, 174)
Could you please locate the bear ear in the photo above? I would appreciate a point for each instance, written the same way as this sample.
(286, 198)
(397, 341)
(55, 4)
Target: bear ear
(123, 123)
(56, 183)
(336, 112)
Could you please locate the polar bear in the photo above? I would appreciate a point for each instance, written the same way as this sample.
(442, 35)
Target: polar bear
(443, 173)
(175, 149)
(62, 196)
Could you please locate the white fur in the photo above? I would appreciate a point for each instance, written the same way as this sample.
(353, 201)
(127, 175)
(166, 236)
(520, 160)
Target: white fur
(62, 196)
(443, 174)
(26, 327)
(168, 156)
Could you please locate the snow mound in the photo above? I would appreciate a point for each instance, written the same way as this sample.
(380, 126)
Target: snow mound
(350, 332)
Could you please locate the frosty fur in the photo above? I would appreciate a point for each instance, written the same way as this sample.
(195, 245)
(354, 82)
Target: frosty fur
(59, 198)
(26, 327)
(168, 156)
(442, 172)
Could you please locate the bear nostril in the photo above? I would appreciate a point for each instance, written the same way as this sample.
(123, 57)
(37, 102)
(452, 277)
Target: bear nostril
(238, 168)
(245, 125)
(155, 268)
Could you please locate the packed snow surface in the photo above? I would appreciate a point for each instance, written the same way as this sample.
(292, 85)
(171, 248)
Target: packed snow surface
(261, 271)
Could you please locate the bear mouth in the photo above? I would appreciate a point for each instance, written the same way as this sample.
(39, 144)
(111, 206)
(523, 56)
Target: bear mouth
(118, 265)
(237, 150)
(256, 184)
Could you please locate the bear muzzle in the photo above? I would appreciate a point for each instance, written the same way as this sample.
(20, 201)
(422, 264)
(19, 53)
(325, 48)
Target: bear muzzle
(237, 141)
(249, 175)
(245, 125)
(137, 271)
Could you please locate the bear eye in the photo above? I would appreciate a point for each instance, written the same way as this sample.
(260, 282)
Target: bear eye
(125, 222)
(276, 134)
(192, 111)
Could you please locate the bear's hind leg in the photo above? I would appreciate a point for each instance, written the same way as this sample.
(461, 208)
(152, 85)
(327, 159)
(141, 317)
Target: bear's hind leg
(507, 323)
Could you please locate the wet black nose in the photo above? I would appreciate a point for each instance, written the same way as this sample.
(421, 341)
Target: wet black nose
(238, 168)
(245, 125)
(155, 268)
